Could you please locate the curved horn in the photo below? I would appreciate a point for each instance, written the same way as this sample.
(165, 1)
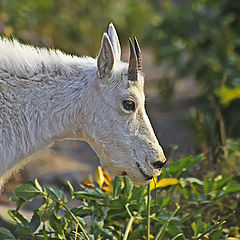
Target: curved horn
(138, 53)
(132, 67)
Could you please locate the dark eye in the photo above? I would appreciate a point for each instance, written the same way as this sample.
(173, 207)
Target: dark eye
(129, 105)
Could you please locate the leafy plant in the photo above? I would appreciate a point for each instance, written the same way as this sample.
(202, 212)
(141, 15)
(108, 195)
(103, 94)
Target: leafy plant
(200, 40)
(73, 26)
(119, 209)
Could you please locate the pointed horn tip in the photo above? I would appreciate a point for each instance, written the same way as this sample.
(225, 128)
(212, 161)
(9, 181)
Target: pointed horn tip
(131, 44)
(111, 25)
(139, 54)
(137, 44)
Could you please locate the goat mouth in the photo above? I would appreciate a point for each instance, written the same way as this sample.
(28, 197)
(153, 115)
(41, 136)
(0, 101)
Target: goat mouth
(146, 177)
(124, 173)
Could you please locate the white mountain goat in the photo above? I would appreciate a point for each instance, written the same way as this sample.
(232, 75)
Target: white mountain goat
(47, 96)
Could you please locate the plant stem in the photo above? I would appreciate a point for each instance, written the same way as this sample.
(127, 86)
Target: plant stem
(70, 212)
(132, 218)
(128, 227)
(148, 212)
(179, 235)
(215, 226)
(80, 225)
(162, 231)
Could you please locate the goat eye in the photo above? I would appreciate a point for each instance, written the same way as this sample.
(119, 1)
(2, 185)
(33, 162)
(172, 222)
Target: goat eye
(129, 105)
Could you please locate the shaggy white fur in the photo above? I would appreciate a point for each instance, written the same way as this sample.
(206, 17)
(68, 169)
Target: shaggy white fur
(46, 96)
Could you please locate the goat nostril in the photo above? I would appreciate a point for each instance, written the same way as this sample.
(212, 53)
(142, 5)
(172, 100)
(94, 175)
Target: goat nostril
(123, 173)
(158, 164)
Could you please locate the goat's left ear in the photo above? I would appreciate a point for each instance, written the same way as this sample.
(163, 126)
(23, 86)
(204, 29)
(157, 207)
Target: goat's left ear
(105, 58)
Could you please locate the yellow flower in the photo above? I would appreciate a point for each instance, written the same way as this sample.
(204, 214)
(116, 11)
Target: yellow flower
(104, 179)
(87, 184)
(163, 182)
(107, 189)
(99, 176)
(107, 177)
(213, 195)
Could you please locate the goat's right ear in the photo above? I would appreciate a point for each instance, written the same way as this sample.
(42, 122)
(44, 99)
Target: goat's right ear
(105, 58)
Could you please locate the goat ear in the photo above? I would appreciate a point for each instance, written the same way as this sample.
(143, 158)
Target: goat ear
(112, 33)
(105, 58)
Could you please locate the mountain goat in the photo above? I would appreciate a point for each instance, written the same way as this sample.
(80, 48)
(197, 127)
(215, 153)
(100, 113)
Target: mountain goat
(46, 96)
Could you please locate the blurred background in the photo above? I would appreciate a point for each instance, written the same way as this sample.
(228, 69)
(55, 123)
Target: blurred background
(191, 59)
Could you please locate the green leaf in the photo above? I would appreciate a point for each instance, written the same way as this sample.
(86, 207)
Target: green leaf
(137, 234)
(117, 214)
(216, 235)
(46, 210)
(184, 164)
(220, 182)
(17, 218)
(165, 202)
(207, 185)
(20, 221)
(70, 188)
(128, 186)
(116, 186)
(27, 192)
(199, 227)
(137, 194)
(194, 180)
(174, 228)
(55, 193)
(20, 201)
(194, 228)
(38, 186)
(96, 228)
(182, 187)
(195, 191)
(81, 221)
(91, 194)
(161, 233)
(35, 221)
(81, 211)
(56, 224)
(6, 234)
(232, 187)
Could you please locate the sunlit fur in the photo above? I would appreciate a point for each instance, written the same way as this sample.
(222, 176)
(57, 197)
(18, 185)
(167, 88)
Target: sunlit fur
(47, 96)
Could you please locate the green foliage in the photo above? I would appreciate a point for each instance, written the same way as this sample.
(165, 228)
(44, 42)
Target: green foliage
(6, 234)
(206, 209)
(227, 95)
(200, 40)
(196, 38)
(74, 26)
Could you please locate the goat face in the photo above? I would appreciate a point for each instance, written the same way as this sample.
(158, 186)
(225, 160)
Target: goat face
(122, 134)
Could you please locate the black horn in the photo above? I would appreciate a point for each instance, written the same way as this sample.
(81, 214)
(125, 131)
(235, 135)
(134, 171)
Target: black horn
(138, 53)
(132, 67)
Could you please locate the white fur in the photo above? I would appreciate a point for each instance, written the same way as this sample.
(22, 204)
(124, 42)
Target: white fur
(46, 96)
